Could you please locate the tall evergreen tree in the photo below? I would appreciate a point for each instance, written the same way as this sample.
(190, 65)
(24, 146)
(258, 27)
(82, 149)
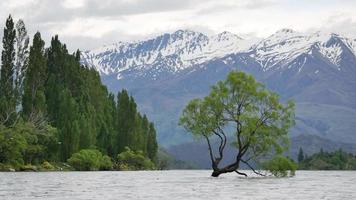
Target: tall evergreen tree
(145, 127)
(22, 43)
(133, 124)
(34, 100)
(106, 136)
(300, 155)
(133, 130)
(68, 124)
(55, 78)
(123, 121)
(7, 98)
(152, 145)
(55, 86)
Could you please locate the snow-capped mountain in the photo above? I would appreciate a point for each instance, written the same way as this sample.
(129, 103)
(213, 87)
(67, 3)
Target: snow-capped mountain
(168, 52)
(317, 70)
(283, 47)
(184, 49)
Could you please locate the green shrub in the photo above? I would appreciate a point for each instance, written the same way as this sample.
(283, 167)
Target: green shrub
(123, 167)
(12, 146)
(47, 166)
(28, 167)
(280, 166)
(25, 143)
(106, 163)
(6, 167)
(90, 160)
(131, 160)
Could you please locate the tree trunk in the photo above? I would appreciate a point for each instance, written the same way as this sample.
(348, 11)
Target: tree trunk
(231, 168)
(216, 173)
(227, 169)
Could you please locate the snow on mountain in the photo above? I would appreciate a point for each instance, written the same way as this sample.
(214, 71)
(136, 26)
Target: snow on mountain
(176, 51)
(283, 47)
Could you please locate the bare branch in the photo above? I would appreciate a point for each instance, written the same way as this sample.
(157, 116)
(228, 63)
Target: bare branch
(6, 117)
(241, 173)
(256, 172)
(210, 152)
(225, 139)
(221, 143)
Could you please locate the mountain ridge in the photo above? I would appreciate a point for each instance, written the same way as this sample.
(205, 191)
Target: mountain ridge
(192, 47)
(184, 48)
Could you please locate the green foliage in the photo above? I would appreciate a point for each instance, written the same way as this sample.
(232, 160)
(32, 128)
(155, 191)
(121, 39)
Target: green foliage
(12, 146)
(69, 132)
(87, 115)
(338, 160)
(47, 166)
(125, 120)
(28, 168)
(6, 167)
(164, 160)
(89, 160)
(34, 102)
(133, 160)
(152, 146)
(7, 93)
(260, 122)
(65, 107)
(300, 155)
(21, 61)
(26, 144)
(280, 166)
(133, 130)
(106, 163)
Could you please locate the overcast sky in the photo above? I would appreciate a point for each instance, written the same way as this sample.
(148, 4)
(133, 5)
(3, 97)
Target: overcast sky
(87, 24)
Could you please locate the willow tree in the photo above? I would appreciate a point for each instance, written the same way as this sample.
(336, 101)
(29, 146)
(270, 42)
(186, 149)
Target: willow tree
(241, 112)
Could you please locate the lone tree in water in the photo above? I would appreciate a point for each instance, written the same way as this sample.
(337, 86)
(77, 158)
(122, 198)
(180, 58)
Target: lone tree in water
(241, 112)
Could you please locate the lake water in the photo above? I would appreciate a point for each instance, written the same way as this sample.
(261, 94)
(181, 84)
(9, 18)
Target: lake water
(170, 185)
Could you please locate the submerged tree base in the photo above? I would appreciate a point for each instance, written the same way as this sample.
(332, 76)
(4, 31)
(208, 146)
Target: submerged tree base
(216, 173)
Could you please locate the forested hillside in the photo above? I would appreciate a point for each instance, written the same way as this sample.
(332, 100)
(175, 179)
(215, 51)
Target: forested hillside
(51, 107)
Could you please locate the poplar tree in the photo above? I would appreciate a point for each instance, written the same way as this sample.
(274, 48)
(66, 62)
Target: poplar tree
(152, 145)
(34, 100)
(300, 155)
(22, 43)
(7, 98)
(123, 121)
(65, 106)
(68, 124)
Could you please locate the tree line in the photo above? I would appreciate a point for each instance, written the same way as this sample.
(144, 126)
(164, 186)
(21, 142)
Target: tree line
(51, 106)
(336, 160)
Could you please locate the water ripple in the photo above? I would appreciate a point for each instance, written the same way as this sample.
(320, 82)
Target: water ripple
(174, 185)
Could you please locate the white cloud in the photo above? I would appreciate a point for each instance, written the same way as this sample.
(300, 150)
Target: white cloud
(73, 4)
(89, 23)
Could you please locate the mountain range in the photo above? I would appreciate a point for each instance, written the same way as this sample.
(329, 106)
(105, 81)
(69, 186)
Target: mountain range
(317, 70)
